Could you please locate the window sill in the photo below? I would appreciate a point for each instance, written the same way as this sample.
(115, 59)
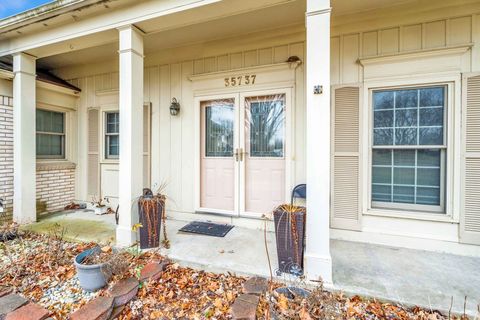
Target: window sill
(413, 215)
(44, 164)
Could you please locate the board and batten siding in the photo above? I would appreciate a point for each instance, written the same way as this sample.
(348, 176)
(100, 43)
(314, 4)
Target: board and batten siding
(346, 49)
(173, 137)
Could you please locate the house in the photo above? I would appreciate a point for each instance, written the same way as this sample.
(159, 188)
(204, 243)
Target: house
(374, 104)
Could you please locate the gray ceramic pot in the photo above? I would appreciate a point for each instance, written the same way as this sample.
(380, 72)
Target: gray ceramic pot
(91, 276)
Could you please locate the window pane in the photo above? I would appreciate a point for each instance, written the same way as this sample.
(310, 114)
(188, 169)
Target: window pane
(406, 118)
(383, 137)
(406, 99)
(404, 157)
(428, 177)
(381, 193)
(113, 145)
(428, 196)
(431, 136)
(382, 157)
(49, 121)
(416, 176)
(431, 117)
(219, 123)
(49, 145)
(382, 175)
(432, 97)
(406, 136)
(267, 120)
(383, 100)
(383, 119)
(113, 122)
(409, 120)
(404, 176)
(403, 194)
(429, 158)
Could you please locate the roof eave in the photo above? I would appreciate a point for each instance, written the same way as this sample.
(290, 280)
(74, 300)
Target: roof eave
(42, 13)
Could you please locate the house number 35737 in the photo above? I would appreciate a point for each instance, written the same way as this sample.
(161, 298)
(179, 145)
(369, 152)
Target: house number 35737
(248, 79)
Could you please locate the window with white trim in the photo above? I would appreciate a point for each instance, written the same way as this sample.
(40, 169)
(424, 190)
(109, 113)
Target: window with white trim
(112, 137)
(409, 148)
(50, 134)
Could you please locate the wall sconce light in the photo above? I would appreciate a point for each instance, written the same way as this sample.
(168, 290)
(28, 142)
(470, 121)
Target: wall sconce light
(174, 107)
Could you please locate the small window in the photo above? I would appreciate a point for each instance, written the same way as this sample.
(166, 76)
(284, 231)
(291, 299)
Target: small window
(409, 148)
(50, 127)
(112, 137)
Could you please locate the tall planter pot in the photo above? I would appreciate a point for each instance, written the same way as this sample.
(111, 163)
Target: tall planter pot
(290, 238)
(151, 210)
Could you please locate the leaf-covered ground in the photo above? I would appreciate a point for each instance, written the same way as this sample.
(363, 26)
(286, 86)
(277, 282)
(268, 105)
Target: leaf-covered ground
(40, 267)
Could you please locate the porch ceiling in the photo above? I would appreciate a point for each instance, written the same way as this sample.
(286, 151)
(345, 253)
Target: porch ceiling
(271, 17)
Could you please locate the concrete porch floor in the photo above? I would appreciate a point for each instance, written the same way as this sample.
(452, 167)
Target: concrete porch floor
(406, 276)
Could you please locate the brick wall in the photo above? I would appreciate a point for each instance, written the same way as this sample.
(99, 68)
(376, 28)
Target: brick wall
(55, 182)
(55, 187)
(6, 156)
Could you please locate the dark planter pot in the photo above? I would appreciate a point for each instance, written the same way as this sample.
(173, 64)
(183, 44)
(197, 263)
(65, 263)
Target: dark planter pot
(290, 238)
(91, 277)
(150, 213)
(290, 293)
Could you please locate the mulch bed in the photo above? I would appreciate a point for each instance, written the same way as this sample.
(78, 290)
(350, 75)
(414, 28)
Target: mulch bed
(40, 268)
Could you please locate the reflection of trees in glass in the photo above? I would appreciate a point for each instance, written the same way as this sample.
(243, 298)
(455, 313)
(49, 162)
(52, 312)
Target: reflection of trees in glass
(219, 130)
(266, 121)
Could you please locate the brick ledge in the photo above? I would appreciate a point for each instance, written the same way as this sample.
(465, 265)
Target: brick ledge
(55, 165)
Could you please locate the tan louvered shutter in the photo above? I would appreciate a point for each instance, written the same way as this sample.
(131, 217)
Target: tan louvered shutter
(346, 158)
(93, 153)
(470, 213)
(146, 144)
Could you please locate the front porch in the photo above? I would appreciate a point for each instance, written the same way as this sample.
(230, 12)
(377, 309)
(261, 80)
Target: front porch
(405, 276)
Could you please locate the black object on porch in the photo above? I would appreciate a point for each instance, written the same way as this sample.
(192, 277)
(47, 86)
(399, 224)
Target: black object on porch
(300, 191)
(207, 228)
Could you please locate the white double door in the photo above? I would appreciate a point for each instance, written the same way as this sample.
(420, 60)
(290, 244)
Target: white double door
(244, 152)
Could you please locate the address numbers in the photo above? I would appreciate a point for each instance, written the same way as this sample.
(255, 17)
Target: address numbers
(248, 79)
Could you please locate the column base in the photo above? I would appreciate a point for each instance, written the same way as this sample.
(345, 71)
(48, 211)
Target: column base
(319, 267)
(125, 237)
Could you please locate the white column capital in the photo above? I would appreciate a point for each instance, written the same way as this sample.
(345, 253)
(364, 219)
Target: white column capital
(130, 39)
(24, 63)
(317, 6)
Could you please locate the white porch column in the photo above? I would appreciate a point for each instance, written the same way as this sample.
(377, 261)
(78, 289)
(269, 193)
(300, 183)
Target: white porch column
(131, 131)
(318, 262)
(24, 152)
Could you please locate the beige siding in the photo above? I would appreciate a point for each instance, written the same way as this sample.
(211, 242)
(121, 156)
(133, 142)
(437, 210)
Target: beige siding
(173, 136)
(435, 34)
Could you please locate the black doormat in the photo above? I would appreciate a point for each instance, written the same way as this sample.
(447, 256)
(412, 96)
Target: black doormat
(207, 228)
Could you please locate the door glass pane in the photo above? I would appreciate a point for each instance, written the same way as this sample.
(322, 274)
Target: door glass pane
(266, 119)
(219, 126)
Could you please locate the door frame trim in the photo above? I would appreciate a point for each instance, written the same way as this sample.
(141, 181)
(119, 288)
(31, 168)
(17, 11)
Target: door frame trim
(277, 78)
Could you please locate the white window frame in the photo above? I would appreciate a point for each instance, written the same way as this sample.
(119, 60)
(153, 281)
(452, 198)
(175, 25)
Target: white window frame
(440, 209)
(63, 135)
(106, 135)
(452, 142)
